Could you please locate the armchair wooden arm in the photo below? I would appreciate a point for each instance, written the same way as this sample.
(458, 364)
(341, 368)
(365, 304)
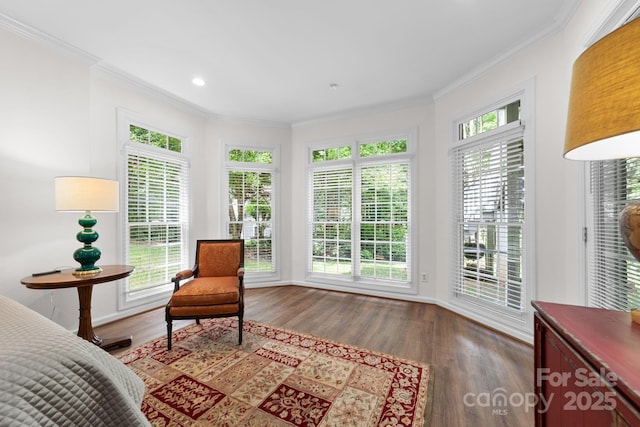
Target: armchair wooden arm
(182, 275)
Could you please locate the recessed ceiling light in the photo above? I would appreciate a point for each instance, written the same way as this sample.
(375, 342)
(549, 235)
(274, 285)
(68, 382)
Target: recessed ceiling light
(198, 81)
(333, 86)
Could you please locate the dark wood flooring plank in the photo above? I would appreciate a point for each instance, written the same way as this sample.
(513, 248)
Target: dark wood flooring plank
(468, 359)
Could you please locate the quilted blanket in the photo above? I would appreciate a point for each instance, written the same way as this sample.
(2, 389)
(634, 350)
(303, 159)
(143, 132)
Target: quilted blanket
(51, 377)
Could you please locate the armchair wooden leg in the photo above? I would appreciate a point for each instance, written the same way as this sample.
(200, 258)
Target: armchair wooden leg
(169, 320)
(169, 328)
(239, 330)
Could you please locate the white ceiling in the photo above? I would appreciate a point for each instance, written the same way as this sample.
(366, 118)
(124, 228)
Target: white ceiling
(275, 59)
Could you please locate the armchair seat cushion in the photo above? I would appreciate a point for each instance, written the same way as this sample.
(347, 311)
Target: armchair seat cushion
(209, 291)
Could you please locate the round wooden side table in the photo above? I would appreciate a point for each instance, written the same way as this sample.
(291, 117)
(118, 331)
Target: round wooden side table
(84, 284)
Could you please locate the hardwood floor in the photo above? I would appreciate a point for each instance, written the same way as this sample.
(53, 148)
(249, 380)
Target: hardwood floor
(471, 364)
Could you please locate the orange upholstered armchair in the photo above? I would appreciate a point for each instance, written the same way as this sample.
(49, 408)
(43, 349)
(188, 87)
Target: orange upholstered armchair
(217, 288)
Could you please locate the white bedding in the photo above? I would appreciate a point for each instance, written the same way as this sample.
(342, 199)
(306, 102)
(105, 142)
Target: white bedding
(51, 377)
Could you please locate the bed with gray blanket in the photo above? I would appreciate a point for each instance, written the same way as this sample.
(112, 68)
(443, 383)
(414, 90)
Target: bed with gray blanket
(51, 377)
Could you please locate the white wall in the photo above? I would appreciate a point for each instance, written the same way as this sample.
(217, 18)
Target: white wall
(556, 241)
(418, 117)
(558, 182)
(58, 116)
(108, 95)
(44, 128)
(559, 208)
(222, 131)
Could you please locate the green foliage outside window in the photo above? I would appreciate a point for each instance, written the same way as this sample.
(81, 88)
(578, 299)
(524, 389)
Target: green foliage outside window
(384, 228)
(378, 148)
(155, 219)
(154, 139)
(250, 209)
(381, 148)
(250, 156)
(490, 120)
(328, 154)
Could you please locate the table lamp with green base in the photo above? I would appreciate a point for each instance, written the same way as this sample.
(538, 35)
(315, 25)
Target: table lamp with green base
(86, 194)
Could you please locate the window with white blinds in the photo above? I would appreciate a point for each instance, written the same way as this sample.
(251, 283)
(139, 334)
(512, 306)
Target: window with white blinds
(490, 216)
(250, 205)
(384, 221)
(157, 210)
(613, 273)
(332, 221)
(360, 213)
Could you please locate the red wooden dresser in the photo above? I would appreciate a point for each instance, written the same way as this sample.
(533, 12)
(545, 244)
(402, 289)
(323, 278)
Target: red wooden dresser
(587, 366)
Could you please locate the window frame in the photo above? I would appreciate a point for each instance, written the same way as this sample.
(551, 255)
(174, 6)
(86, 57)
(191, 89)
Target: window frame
(149, 297)
(588, 274)
(609, 264)
(517, 321)
(274, 169)
(356, 163)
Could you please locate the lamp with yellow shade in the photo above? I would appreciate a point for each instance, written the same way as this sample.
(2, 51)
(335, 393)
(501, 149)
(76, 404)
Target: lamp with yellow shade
(86, 194)
(604, 113)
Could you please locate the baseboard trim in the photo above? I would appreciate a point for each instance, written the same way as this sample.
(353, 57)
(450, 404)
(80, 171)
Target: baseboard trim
(496, 326)
(353, 290)
(488, 323)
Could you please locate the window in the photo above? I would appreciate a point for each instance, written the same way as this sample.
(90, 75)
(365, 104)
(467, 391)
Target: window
(613, 273)
(489, 121)
(156, 214)
(384, 221)
(250, 205)
(360, 212)
(332, 221)
(488, 163)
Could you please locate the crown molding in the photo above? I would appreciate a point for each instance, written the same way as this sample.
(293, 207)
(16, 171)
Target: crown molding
(246, 121)
(101, 68)
(614, 15)
(108, 71)
(485, 68)
(10, 24)
(400, 104)
(559, 23)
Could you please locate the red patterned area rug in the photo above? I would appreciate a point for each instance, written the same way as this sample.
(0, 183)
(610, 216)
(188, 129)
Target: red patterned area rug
(276, 378)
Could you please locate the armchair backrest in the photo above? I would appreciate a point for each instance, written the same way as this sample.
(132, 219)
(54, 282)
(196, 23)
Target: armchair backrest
(216, 258)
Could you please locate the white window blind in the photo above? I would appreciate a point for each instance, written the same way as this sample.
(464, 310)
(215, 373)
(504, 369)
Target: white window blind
(250, 205)
(489, 208)
(157, 217)
(613, 273)
(250, 208)
(384, 226)
(332, 221)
